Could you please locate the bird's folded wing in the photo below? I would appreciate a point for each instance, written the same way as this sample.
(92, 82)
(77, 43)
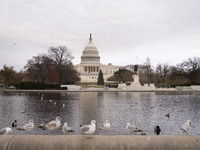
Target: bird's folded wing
(52, 124)
(69, 129)
(28, 125)
(2, 131)
(131, 127)
(85, 128)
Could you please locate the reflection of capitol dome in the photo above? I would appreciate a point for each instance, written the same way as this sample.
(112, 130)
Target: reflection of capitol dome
(90, 53)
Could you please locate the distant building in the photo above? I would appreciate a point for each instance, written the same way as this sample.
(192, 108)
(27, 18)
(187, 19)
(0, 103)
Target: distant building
(90, 65)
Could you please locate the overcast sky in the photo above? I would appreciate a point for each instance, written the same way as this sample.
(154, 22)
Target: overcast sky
(166, 31)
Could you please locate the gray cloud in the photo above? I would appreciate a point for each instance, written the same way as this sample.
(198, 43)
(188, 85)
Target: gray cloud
(165, 31)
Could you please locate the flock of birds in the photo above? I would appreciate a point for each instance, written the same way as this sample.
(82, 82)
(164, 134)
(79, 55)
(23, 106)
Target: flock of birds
(89, 129)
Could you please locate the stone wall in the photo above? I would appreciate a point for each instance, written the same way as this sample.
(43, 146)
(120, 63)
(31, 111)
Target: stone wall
(196, 87)
(98, 142)
(71, 87)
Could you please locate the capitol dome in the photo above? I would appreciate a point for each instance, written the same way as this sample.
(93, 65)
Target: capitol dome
(90, 54)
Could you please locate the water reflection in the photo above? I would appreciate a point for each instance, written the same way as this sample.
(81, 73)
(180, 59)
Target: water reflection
(144, 109)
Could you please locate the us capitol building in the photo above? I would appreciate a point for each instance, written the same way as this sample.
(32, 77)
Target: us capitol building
(90, 65)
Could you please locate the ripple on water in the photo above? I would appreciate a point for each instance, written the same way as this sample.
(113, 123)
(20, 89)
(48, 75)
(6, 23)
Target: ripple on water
(144, 109)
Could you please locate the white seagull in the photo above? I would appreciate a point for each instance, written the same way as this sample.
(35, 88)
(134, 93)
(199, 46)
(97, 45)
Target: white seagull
(132, 128)
(106, 126)
(27, 127)
(186, 127)
(53, 125)
(66, 129)
(89, 129)
(5, 131)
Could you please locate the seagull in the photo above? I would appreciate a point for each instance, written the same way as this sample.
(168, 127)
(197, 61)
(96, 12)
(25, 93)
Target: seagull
(106, 126)
(14, 124)
(5, 131)
(89, 129)
(186, 127)
(52, 126)
(27, 127)
(66, 129)
(157, 130)
(132, 128)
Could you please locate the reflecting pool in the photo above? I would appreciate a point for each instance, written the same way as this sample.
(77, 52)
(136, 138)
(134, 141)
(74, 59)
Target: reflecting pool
(144, 109)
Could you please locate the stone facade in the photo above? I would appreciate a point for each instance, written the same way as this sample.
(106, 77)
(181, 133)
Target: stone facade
(90, 65)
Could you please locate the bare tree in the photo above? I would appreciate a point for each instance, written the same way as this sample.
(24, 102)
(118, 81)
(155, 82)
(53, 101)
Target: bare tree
(177, 76)
(191, 67)
(54, 67)
(191, 64)
(38, 67)
(162, 71)
(149, 70)
(123, 75)
(7, 74)
(62, 58)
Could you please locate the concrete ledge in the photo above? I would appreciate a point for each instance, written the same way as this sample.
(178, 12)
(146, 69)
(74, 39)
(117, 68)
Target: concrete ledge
(103, 90)
(98, 142)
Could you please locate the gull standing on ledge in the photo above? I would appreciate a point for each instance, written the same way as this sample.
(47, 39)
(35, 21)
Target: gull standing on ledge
(66, 129)
(106, 126)
(89, 129)
(186, 127)
(132, 128)
(52, 126)
(5, 131)
(27, 127)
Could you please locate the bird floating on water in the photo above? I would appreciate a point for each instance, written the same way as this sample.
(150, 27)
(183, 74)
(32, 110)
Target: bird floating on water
(167, 115)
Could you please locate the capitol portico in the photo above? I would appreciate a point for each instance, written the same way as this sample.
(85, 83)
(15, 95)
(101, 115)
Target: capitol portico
(90, 65)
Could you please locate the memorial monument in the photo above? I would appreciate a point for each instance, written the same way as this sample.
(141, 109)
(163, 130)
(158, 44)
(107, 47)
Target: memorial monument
(136, 83)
